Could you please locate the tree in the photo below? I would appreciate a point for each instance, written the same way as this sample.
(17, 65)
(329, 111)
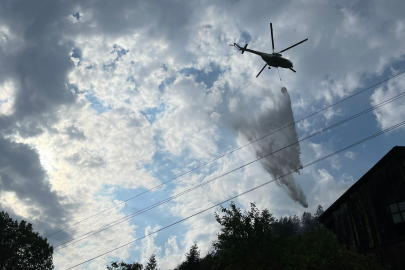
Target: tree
(246, 240)
(152, 264)
(255, 240)
(286, 226)
(125, 266)
(192, 259)
(208, 262)
(21, 247)
(310, 222)
(319, 249)
(319, 211)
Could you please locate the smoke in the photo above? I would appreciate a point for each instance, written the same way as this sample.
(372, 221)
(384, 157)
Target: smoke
(275, 112)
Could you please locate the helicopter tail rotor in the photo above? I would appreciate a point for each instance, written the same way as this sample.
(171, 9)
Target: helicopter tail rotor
(239, 47)
(243, 49)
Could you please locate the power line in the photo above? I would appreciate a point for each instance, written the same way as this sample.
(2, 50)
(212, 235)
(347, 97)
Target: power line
(116, 222)
(250, 190)
(205, 183)
(228, 153)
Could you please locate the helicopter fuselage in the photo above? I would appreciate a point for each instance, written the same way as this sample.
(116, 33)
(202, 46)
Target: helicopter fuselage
(273, 59)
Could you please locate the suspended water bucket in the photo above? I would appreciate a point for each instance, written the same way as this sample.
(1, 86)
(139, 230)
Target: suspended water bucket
(283, 90)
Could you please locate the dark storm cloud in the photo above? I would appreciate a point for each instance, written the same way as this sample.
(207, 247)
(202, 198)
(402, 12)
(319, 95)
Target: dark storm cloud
(38, 62)
(21, 173)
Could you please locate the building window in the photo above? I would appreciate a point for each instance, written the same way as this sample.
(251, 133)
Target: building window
(398, 212)
(398, 217)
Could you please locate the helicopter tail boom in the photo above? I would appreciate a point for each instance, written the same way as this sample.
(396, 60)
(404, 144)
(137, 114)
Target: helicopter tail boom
(244, 49)
(239, 47)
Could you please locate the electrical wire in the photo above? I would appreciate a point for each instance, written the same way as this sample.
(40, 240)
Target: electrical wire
(114, 223)
(250, 190)
(226, 154)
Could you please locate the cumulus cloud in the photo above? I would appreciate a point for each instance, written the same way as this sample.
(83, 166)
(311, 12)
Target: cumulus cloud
(99, 98)
(394, 112)
(326, 189)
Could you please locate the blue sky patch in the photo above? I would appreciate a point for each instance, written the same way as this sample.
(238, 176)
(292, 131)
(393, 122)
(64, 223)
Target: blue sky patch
(167, 82)
(152, 113)
(120, 51)
(131, 79)
(207, 78)
(78, 54)
(75, 88)
(77, 16)
(246, 36)
(96, 104)
(162, 166)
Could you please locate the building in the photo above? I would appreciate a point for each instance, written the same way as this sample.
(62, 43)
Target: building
(370, 215)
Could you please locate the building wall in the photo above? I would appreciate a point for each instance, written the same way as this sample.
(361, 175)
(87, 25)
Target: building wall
(363, 218)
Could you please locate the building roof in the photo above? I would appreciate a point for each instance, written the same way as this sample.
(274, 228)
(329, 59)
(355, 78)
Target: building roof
(355, 187)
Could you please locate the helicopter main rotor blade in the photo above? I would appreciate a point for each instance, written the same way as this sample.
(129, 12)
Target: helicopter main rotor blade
(272, 40)
(293, 69)
(293, 46)
(261, 70)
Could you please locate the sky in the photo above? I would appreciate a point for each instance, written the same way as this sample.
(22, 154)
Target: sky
(103, 100)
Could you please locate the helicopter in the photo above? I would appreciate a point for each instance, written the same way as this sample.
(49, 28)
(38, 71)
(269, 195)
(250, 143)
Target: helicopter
(274, 59)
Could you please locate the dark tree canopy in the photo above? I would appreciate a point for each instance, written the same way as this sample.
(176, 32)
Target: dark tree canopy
(192, 259)
(286, 226)
(21, 247)
(124, 266)
(152, 264)
(245, 240)
(254, 239)
(193, 256)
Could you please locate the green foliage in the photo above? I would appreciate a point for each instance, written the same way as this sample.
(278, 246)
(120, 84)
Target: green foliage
(254, 239)
(192, 259)
(21, 247)
(152, 264)
(193, 256)
(319, 249)
(124, 266)
(286, 226)
(246, 240)
(207, 262)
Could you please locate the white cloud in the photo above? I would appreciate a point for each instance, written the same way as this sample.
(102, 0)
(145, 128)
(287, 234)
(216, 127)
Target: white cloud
(7, 90)
(304, 125)
(326, 189)
(394, 112)
(350, 155)
(128, 57)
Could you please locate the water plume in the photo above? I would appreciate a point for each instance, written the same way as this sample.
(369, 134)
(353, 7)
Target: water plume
(275, 112)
